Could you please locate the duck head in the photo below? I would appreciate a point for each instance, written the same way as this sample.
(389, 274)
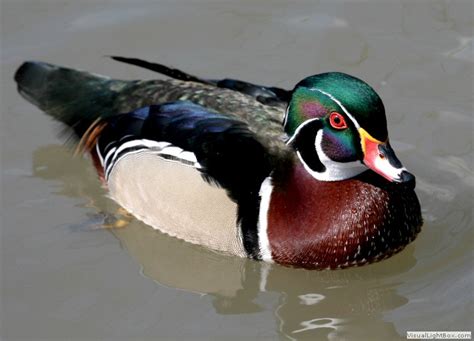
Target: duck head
(337, 126)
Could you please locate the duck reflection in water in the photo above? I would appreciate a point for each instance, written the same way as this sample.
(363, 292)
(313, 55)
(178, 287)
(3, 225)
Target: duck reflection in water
(304, 303)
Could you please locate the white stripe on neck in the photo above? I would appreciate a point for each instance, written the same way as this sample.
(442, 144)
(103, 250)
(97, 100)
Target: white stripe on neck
(265, 193)
(297, 130)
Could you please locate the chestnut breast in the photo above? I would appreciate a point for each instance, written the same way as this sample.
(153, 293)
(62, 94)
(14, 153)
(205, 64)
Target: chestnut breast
(334, 224)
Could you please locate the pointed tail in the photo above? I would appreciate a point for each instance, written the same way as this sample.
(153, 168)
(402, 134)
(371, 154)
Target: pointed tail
(75, 98)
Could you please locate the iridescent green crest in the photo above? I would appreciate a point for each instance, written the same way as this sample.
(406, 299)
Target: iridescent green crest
(317, 96)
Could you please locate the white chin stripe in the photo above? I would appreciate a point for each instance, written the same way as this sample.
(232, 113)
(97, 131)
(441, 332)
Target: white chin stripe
(335, 171)
(161, 148)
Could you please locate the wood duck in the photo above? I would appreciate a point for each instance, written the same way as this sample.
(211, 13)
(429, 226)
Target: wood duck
(222, 164)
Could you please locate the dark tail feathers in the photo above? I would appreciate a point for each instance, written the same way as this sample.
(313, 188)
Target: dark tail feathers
(76, 98)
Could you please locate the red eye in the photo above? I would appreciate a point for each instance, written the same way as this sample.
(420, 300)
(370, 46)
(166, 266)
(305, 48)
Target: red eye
(337, 121)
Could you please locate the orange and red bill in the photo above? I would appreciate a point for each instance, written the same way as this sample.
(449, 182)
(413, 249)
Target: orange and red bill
(380, 157)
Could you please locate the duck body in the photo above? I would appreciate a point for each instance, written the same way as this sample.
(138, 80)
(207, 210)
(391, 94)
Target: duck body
(236, 168)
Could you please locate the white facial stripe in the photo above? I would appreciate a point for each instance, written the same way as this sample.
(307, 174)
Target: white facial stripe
(340, 104)
(265, 196)
(325, 159)
(335, 171)
(299, 128)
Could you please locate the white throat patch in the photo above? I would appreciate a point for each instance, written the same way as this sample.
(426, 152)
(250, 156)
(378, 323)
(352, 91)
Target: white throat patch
(334, 170)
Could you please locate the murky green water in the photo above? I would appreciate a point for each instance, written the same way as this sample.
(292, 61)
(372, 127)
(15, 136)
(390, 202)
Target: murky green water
(63, 276)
